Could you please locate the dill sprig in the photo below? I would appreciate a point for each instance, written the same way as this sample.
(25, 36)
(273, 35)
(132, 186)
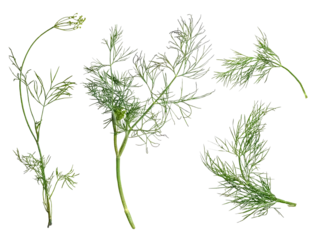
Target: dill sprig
(244, 185)
(31, 86)
(241, 68)
(139, 117)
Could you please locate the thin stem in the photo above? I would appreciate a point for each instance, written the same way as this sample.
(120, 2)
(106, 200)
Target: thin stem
(35, 136)
(112, 87)
(50, 210)
(118, 174)
(20, 85)
(33, 117)
(290, 204)
(124, 143)
(297, 79)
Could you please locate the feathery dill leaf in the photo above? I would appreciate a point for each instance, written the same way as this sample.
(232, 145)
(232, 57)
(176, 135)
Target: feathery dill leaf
(192, 58)
(241, 67)
(244, 185)
(114, 91)
(143, 117)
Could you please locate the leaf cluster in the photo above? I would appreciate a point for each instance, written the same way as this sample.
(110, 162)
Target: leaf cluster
(191, 61)
(248, 145)
(115, 92)
(243, 184)
(37, 166)
(241, 67)
(36, 87)
(33, 164)
(59, 178)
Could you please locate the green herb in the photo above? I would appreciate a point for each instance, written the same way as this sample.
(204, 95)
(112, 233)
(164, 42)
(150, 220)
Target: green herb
(144, 118)
(241, 68)
(43, 97)
(246, 188)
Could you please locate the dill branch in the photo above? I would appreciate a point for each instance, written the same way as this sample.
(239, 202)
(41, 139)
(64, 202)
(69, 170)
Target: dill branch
(241, 67)
(114, 92)
(244, 186)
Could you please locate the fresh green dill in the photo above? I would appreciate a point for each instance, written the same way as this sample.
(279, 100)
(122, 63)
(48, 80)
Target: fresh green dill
(113, 91)
(36, 90)
(144, 118)
(241, 68)
(244, 186)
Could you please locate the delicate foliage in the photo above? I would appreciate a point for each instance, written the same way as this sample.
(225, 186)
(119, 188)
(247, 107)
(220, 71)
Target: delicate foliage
(115, 46)
(248, 145)
(246, 188)
(60, 90)
(192, 57)
(241, 68)
(62, 179)
(29, 161)
(37, 90)
(144, 116)
(114, 92)
(264, 52)
(148, 126)
(33, 164)
(13, 60)
(114, 95)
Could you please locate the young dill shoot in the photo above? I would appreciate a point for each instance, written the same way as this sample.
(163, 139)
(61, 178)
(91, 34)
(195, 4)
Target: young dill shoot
(241, 68)
(36, 90)
(144, 118)
(244, 185)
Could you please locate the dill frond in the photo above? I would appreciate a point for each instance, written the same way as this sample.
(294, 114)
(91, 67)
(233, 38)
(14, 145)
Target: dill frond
(243, 184)
(241, 67)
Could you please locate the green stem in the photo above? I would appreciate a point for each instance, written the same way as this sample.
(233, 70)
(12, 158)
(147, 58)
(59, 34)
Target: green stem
(288, 203)
(123, 143)
(50, 210)
(118, 173)
(33, 117)
(35, 136)
(297, 79)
